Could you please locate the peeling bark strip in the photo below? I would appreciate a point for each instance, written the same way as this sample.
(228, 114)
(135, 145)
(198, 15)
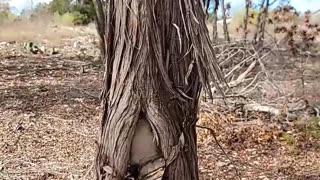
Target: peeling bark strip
(158, 56)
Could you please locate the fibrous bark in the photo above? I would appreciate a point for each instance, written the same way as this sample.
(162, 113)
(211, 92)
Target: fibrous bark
(158, 56)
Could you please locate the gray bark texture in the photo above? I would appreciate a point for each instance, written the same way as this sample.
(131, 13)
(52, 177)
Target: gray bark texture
(158, 56)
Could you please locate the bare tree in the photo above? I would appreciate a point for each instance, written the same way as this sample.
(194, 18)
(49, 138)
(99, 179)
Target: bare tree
(259, 20)
(214, 20)
(225, 26)
(246, 18)
(158, 56)
(262, 20)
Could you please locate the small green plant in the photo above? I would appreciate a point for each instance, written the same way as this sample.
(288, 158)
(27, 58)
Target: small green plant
(288, 138)
(310, 127)
(313, 128)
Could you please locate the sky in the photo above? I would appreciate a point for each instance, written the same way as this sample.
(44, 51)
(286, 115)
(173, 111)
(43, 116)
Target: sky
(18, 5)
(300, 5)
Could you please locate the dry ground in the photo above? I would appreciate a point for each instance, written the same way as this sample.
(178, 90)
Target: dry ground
(49, 114)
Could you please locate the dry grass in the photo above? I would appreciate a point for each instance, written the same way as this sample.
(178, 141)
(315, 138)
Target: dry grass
(36, 31)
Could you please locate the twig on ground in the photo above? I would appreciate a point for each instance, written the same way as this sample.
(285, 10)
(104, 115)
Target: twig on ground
(222, 149)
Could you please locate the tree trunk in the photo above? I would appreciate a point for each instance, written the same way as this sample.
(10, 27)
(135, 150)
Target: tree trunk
(263, 22)
(259, 20)
(214, 22)
(100, 19)
(246, 18)
(225, 26)
(158, 55)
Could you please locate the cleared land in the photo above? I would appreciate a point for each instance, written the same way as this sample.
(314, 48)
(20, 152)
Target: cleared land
(49, 117)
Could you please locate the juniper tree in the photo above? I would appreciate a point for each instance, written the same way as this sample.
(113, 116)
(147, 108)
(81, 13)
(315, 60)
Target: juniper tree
(158, 57)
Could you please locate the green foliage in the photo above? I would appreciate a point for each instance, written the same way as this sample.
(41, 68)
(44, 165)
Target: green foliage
(3, 16)
(65, 19)
(68, 12)
(288, 138)
(60, 6)
(313, 128)
(84, 12)
(80, 19)
(68, 19)
(310, 127)
(41, 8)
(6, 17)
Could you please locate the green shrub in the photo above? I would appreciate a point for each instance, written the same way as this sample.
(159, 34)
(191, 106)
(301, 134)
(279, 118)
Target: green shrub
(80, 19)
(3, 17)
(7, 17)
(68, 19)
(60, 6)
(65, 19)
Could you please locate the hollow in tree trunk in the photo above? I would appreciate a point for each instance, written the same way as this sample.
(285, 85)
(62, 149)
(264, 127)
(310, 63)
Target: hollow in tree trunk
(158, 56)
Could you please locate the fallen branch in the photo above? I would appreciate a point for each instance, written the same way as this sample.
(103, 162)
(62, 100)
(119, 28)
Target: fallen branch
(220, 146)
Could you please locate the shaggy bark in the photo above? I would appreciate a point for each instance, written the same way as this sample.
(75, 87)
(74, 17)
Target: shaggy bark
(158, 55)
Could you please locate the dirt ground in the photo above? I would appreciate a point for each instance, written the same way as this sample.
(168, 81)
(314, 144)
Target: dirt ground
(49, 116)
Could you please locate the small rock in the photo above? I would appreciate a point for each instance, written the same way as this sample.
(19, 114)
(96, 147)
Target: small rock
(221, 164)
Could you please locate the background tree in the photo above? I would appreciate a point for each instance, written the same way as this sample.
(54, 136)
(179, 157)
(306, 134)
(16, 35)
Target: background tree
(224, 8)
(158, 57)
(60, 6)
(84, 12)
(259, 19)
(246, 18)
(263, 19)
(214, 20)
(100, 19)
